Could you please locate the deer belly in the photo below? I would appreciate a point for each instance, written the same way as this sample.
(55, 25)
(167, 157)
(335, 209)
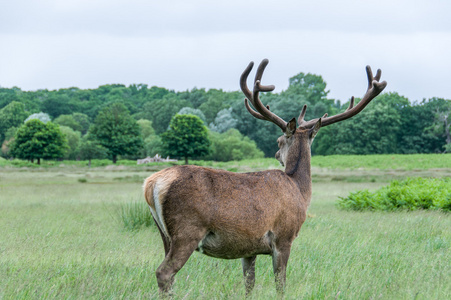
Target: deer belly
(232, 246)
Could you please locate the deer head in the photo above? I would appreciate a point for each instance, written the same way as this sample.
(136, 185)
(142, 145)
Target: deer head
(306, 130)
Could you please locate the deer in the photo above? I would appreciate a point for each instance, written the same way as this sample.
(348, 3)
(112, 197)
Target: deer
(231, 215)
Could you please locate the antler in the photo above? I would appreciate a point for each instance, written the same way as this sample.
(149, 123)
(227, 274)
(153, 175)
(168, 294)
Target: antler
(374, 88)
(262, 112)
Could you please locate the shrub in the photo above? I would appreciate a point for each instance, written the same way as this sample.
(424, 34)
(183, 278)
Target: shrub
(232, 145)
(73, 141)
(409, 194)
(152, 146)
(135, 215)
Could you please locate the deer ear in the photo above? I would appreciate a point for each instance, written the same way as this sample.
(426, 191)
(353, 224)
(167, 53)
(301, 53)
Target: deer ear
(314, 130)
(291, 128)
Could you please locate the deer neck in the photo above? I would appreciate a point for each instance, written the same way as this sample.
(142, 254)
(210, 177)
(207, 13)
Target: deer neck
(298, 168)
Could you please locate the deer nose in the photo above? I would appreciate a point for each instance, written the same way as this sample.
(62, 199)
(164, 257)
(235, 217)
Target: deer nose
(278, 154)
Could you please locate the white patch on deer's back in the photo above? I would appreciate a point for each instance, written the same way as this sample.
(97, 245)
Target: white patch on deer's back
(155, 190)
(158, 212)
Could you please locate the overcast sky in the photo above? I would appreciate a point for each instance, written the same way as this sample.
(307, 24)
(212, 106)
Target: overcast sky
(179, 45)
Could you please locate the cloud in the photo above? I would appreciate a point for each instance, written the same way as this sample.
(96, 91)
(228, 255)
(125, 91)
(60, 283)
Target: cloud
(162, 18)
(206, 44)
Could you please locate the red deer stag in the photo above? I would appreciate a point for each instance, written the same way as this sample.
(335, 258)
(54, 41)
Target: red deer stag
(240, 215)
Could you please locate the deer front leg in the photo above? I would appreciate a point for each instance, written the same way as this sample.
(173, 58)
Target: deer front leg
(248, 264)
(280, 257)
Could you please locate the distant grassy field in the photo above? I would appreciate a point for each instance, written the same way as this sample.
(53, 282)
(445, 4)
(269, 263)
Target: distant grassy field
(348, 162)
(387, 161)
(62, 237)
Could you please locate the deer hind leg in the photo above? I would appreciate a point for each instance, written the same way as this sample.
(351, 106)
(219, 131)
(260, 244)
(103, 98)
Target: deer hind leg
(180, 250)
(248, 264)
(166, 241)
(280, 256)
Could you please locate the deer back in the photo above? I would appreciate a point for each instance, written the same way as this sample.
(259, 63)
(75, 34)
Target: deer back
(246, 205)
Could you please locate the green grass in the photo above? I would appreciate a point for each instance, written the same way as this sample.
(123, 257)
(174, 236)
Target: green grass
(384, 162)
(62, 238)
(336, 162)
(135, 215)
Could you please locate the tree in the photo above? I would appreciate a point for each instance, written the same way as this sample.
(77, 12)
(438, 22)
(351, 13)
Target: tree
(76, 121)
(192, 111)
(9, 95)
(117, 131)
(84, 122)
(68, 121)
(196, 96)
(8, 142)
(232, 145)
(223, 121)
(310, 86)
(73, 141)
(441, 127)
(187, 137)
(6, 148)
(152, 142)
(372, 131)
(12, 115)
(43, 117)
(91, 150)
(160, 111)
(56, 105)
(217, 100)
(153, 146)
(36, 140)
(146, 128)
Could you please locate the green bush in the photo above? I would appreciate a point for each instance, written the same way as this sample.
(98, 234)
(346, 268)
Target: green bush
(409, 194)
(232, 146)
(135, 215)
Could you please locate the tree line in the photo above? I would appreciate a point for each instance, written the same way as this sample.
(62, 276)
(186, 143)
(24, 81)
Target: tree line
(136, 121)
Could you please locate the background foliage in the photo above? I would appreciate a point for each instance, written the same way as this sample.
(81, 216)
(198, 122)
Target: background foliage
(409, 194)
(117, 131)
(390, 124)
(187, 137)
(36, 140)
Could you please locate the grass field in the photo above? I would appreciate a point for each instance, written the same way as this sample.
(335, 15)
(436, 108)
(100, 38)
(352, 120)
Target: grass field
(62, 237)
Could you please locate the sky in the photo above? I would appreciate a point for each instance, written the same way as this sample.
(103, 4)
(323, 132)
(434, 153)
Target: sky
(179, 45)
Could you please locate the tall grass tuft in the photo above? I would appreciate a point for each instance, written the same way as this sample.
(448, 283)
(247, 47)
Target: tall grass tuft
(135, 215)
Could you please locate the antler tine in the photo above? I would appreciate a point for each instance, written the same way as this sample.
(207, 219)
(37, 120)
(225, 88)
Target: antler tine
(247, 92)
(243, 80)
(258, 87)
(302, 115)
(374, 88)
(258, 77)
(378, 75)
(351, 103)
(369, 74)
(262, 112)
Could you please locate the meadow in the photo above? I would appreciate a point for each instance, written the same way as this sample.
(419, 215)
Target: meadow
(62, 236)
